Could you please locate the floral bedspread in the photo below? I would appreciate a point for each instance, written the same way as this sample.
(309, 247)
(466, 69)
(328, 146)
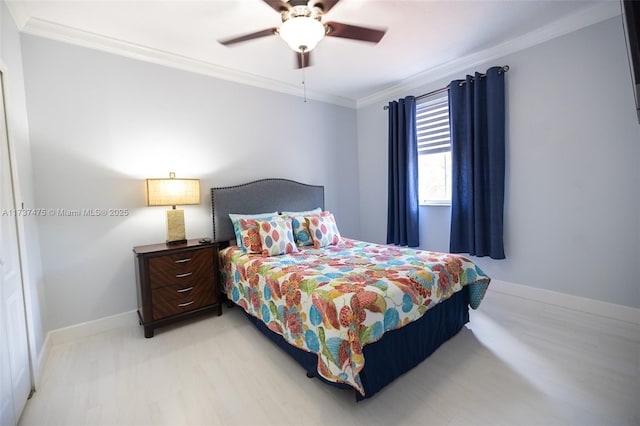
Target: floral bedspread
(334, 300)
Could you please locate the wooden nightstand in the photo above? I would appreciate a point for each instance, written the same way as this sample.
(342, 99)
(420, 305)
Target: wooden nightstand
(176, 282)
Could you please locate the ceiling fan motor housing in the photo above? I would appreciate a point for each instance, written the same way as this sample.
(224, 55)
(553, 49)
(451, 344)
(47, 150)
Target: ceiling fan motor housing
(302, 27)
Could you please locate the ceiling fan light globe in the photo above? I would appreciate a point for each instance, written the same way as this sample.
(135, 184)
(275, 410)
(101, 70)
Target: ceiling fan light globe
(302, 33)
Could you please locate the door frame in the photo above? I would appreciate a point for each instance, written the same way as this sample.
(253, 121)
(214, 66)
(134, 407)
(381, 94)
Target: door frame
(27, 295)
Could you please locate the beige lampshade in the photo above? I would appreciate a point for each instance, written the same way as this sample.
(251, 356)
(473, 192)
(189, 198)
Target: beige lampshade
(173, 192)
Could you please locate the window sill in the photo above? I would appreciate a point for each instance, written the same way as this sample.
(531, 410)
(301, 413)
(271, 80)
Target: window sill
(435, 203)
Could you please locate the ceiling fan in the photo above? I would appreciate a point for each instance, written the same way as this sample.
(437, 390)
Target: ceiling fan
(302, 27)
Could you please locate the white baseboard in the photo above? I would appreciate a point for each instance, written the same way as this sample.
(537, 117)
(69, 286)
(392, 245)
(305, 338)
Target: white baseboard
(576, 303)
(77, 331)
(41, 361)
(89, 328)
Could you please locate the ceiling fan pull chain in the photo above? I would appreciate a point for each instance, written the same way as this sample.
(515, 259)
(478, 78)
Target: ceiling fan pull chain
(304, 84)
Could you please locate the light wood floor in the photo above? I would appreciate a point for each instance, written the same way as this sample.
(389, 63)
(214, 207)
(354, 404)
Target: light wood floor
(517, 362)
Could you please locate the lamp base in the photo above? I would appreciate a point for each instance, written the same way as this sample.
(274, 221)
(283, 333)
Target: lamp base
(175, 227)
(176, 243)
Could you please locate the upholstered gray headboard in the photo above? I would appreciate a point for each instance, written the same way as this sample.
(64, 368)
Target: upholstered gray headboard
(260, 196)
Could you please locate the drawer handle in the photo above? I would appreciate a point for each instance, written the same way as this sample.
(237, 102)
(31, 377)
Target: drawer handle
(183, 260)
(184, 275)
(184, 290)
(182, 305)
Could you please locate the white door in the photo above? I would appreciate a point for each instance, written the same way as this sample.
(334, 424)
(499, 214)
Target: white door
(15, 373)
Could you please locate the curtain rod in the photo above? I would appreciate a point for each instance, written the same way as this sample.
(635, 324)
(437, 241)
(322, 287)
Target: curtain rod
(444, 89)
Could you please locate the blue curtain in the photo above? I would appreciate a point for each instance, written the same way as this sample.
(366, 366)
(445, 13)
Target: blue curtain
(477, 120)
(402, 208)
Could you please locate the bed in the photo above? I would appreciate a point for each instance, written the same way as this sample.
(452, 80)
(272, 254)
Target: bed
(354, 314)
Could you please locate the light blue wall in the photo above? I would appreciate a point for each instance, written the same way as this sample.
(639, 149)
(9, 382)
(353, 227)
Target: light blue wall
(572, 203)
(101, 123)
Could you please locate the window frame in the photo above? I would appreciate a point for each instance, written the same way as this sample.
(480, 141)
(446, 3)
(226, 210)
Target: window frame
(438, 139)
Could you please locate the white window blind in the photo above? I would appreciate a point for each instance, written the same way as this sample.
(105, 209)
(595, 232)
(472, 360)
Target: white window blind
(432, 125)
(434, 151)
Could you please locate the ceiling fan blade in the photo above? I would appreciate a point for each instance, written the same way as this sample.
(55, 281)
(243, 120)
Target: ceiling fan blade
(337, 29)
(307, 60)
(325, 5)
(257, 34)
(278, 5)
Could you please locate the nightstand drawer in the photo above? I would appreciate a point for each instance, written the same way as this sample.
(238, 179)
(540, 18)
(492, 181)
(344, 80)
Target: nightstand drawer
(176, 299)
(182, 268)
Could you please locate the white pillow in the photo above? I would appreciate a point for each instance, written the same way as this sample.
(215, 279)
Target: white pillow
(304, 213)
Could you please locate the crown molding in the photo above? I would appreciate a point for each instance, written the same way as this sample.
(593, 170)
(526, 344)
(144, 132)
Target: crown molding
(19, 13)
(579, 20)
(66, 34)
(51, 30)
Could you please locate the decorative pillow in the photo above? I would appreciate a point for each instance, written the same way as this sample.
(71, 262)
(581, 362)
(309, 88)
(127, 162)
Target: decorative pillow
(276, 236)
(323, 229)
(235, 221)
(249, 236)
(300, 227)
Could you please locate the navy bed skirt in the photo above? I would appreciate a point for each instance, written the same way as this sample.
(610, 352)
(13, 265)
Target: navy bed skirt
(398, 351)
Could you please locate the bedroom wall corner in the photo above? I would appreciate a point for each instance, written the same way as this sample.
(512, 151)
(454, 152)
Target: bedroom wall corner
(372, 172)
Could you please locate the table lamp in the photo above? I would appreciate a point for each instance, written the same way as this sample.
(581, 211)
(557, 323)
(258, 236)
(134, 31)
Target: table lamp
(173, 192)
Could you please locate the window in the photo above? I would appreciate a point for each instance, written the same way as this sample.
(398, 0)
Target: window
(434, 152)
